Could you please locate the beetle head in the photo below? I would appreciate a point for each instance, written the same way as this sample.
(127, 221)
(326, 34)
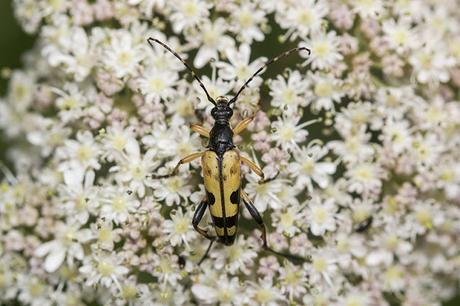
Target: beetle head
(222, 111)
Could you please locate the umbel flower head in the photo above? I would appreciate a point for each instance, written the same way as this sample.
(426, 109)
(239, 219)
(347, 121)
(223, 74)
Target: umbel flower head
(365, 128)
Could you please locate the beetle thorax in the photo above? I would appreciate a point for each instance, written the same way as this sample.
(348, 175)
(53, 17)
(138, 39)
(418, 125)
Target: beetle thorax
(221, 135)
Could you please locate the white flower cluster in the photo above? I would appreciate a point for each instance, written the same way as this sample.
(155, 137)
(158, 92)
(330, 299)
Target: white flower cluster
(366, 128)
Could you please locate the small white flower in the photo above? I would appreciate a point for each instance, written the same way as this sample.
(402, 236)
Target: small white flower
(188, 13)
(237, 257)
(223, 291)
(135, 169)
(302, 18)
(81, 153)
(103, 269)
(292, 280)
(214, 40)
(364, 177)
(288, 132)
(291, 93)
(68, 243)
(157, 85)
(393, 278)
(321, 216)
(354, 147)
(123, 55)
(264, 293)
(431, 65)
(179, 229)
(399, 35)
(21, 90)
(264, 195)
(368, 8)
(79, 194)
(308, 169)
(247, 20)
(324, 50)
(327, 91)
(323, 267)
(240, 67)
(117, 204)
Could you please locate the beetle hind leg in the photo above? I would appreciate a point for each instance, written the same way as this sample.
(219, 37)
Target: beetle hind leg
(199, 213)
(256, 216)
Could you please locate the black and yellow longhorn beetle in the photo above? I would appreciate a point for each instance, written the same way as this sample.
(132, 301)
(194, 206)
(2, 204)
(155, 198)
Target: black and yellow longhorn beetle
(221, 164)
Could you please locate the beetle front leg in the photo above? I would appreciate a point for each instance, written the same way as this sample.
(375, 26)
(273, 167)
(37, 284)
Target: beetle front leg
(185, 160)
(243, 124)
(257, 170)
(200, 130)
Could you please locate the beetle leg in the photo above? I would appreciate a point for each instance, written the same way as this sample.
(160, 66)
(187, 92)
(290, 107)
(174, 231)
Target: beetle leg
(199, 213)
(243, 124)
(200, 130)
(211, 241)
(253, 167)
(257, 170)
(364, 226)
(187, 159)
(256, 216)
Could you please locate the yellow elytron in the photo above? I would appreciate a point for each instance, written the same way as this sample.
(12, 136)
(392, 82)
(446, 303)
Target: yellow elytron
(221, 164)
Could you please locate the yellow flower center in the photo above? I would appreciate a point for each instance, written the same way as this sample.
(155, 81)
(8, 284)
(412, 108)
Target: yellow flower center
(391, 242)
(322, 49)
(286, 219)
(400, 36)
(105, 234)
(320, 264)
(323, 89)
(2, 280)
(118, 204)
(305, 17)
(181, 225)
(20, 92)
(84, 153)
(308, 166)
(287, 133)
(190, 9)
(360, 215)
(125, 58)
(263, 296)
(245, 19)
(36, 288)
(129, 292)
(157, 84)
(119, 142)
(392, 205)
(288, 95)
(105, 269)
(68, 103)
(138, 172)
(353, 301)
(425, 218)
(225, 296)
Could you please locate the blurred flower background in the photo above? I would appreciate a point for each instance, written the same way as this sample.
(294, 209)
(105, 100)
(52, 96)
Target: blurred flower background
(366, 128)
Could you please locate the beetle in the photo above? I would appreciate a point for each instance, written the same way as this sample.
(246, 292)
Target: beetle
(221, 166)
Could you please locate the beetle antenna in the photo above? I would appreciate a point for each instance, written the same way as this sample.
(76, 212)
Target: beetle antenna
(297, 260)
(286, 53)
(150, 39)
